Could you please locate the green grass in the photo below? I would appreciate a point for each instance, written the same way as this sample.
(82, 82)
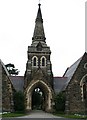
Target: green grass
(70, 116)
(17, 114)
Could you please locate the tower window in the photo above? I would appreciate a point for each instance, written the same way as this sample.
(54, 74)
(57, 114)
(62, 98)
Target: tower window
(34, 61)
(43, 61)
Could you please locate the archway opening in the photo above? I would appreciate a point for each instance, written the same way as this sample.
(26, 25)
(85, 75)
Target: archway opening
(38, 99)
(45, 92)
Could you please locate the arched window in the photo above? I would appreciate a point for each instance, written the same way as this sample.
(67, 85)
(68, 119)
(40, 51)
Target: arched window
(34, 61)
(83, 85)
(43, 61)
(84, 91)
(85, 65)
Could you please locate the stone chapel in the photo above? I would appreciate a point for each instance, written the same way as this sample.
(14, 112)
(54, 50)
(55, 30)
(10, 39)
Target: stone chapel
(39, 76)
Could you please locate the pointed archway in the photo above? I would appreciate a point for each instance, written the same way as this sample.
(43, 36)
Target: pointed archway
(47, 91)
(38, 99)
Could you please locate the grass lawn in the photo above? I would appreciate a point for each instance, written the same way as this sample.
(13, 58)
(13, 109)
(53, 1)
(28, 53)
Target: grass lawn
(13, 114)
(71, 116)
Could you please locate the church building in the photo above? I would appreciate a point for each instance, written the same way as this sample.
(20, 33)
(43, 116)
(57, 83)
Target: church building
(39, 77)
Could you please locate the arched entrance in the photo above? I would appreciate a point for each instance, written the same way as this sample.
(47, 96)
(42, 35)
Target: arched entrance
(38, 98)
(47, 95)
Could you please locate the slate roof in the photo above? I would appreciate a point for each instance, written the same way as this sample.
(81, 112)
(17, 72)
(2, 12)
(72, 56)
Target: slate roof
(70, 71)
(18, 82)
(59, 83)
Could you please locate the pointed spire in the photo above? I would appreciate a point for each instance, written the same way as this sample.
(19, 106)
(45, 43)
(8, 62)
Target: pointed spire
(39, 34)
(39, 15)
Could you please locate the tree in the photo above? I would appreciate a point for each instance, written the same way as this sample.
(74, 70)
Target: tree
(60, 102)
(11, 69)
(19, 101)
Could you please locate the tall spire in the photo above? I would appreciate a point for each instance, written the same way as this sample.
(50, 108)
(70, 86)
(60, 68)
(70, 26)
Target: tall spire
(39, 34)
(39, 15)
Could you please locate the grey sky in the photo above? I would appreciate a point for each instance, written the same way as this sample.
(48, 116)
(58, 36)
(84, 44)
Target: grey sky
(86, 26)
(64, 25)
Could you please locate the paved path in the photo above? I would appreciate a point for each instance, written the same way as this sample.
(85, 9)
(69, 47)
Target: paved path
(39, 114)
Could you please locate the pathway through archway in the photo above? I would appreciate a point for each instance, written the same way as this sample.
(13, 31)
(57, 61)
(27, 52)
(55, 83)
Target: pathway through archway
(38, 99)
(44, 94)
(40, 114)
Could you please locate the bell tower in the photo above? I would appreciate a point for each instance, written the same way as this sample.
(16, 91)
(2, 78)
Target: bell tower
(38, 66)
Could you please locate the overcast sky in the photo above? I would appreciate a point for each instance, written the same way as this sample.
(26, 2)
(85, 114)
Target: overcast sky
(64, 25)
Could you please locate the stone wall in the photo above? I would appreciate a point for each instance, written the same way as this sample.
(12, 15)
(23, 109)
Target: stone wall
(74, 100)
(74, 103)
(7, 91)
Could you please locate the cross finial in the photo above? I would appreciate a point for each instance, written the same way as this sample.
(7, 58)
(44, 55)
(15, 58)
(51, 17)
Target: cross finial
(39, 1)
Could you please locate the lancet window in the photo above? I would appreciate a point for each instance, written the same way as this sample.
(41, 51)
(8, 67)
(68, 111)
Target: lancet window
(34, 61)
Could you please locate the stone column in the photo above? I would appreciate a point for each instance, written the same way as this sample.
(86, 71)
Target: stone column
(49, 100)
(49, 106)
(28, 102)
